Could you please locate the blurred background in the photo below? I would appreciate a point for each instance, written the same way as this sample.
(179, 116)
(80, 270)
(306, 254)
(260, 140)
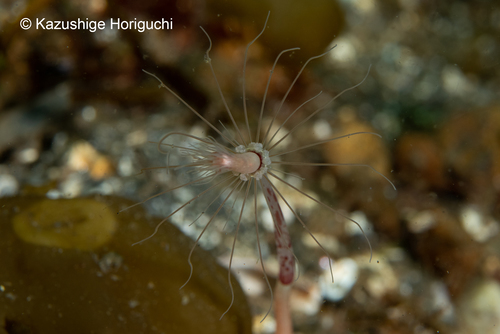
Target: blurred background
(77, 115)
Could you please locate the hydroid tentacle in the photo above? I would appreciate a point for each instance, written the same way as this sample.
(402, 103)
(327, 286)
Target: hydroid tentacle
(302, 223)
(205, 228)
(260, 252)
(267, 89)
(163, 192)
(244, 72)
(323, 142)
(323, 107)
(232, 249)
(329, 208)
(333, 164)
(209, 61)
(192, 109)
(286, 120)
(265, 142)
(180, 208)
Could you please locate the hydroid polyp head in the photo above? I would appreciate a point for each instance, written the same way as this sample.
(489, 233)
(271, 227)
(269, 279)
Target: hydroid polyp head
(249, 164)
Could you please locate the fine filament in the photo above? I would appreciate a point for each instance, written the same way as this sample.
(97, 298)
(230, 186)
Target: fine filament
(211, 164)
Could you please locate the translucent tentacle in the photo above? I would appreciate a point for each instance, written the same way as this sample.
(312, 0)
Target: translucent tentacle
(209, 61)
(180, 208)
(329, 208)
(323, 106)
(191, 108)
(267, 89)
(329, 164)
(265, 142)
(260, 252)
(244, 72)
(305, 227)
(322, 142)
(232, 249)
(203, 231)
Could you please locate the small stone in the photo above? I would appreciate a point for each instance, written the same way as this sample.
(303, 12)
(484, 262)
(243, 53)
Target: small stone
(8, 185)
(345, 273)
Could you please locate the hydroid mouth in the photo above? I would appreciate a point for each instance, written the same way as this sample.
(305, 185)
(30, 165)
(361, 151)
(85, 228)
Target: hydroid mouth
(264, 160)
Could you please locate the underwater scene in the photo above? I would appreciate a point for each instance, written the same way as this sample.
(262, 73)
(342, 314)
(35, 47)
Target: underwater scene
(210, 166)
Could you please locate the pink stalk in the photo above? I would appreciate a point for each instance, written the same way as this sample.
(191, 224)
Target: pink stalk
(286, 260)
(282, 309)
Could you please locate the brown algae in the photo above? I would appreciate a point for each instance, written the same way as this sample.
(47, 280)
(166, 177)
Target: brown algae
(73, 282)
(81, 223)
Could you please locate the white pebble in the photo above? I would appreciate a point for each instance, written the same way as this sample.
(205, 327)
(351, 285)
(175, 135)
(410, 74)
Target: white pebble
(345, 273)
(479, 227)
(8, 185)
